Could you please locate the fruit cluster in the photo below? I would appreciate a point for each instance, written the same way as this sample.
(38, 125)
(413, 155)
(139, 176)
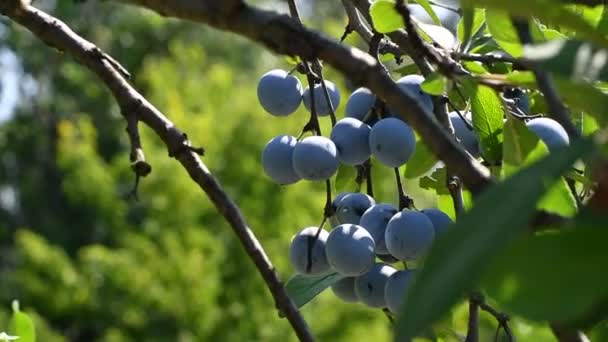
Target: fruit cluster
(352, 140)
(366, 237)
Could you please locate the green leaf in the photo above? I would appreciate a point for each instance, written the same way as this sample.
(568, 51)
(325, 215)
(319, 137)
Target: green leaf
(385, 17)
(504, 33)
(436, 181)
(531, 279)
(486, 108)
(421, 162)
(429, 10)
(570, 58)
(471, 22)
(584, 97)
(345, 178)
(435, 84)
(21, 325)
(546, 10)
(302, 289)
(459, 256)
(522, 147)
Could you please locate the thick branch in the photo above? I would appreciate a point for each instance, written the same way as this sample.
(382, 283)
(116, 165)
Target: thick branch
(55, 33)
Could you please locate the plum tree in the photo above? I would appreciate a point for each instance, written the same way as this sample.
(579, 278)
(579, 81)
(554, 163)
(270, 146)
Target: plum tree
(350, 250)
(321, 105)
(277, 159)
(409, 234)
(396, 289)
(467, 137)
(369, 287)
(374, 220)
(315, 158)
(441, 221)
(411, 85)
(279, 93)
(299, 252)
(351, 137)
(351, 207)
(447, 17)
(550, 132)
(392, 142)
(345, 289)
(359, 103)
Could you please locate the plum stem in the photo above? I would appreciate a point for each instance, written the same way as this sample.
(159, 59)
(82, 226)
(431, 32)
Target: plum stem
(405, 201)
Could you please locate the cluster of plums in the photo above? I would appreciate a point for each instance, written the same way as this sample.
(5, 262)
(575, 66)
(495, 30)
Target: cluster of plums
(353, 140)
(366, 237)
(363, 233)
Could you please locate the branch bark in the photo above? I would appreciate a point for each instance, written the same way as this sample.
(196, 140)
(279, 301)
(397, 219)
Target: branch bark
(57, 34)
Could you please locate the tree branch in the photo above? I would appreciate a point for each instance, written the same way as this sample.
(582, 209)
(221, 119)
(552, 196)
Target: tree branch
(57, 34)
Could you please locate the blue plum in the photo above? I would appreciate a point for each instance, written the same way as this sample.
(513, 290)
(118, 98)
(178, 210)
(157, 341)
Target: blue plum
(350, 250)
(375, 220)
(351, 137)
(321, 104)
(467, 137)
(410, 84)
(396, 289)
(277, 159)
(345, 289)
(392, 142)
(370, 286)
(315, 158)
(359, 103)
(441, 221)
(298, 252)
(351, 207)
(550, 132)
(279, 93)
(409, 234)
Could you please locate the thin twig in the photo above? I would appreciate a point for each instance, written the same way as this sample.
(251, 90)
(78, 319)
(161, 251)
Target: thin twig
(473, 325)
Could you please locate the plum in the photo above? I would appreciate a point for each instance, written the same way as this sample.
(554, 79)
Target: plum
(345, 289)
(351, 137)
(396, 289)
(441, 221)
(409, 234)
(279, 93)
(392, 142)
(411, 85)
(277, 159)
(359, 103)
(350, 250)
(351, 207)
(374, 220)
(298, 252)
(321, 104)
(369, 287)
(550, 132)
(467, 137)
(315, 158)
